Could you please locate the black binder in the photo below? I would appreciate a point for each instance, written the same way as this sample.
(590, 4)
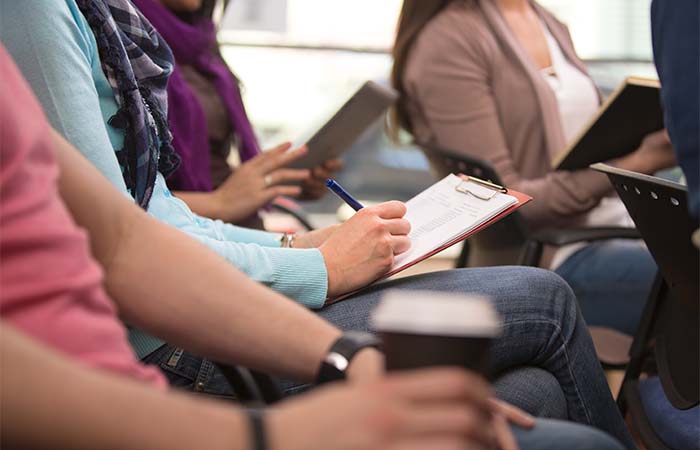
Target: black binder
(628, 114)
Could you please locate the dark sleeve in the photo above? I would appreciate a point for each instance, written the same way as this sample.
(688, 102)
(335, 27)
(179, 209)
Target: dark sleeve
(676, 41)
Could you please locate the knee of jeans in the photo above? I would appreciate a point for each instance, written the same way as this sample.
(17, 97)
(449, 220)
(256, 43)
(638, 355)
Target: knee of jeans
(557, 297)
(533, 390)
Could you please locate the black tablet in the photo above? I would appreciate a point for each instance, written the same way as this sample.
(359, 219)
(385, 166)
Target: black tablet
(337, 135)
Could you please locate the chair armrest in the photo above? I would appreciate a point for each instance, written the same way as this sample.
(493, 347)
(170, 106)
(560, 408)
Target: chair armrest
(287, 206)
(532, 251)
(558, 237)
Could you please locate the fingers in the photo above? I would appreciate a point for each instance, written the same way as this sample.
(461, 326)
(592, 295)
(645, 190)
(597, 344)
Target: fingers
(271, 153)
(400, 244)
(447, 409)
(287, 175)
(442, 384)
(512, 413)
(660, 134)
(333, 165)
(505, 438)
(278, 157)
(398, 227)
(327, 169)
(320, 174)
(390, 210)
(457, 419)
(287, 191)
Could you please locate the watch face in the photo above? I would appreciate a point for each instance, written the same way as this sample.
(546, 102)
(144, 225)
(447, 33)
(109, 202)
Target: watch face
(338, 358)
(338, 361)
(333, 368)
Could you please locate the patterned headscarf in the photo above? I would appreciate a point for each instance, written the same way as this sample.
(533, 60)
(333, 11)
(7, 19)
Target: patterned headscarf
(137, 63)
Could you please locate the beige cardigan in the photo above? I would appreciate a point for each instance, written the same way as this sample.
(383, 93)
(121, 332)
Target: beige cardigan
(472, 88)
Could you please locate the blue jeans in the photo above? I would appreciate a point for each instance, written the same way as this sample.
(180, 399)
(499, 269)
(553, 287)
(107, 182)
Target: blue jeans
(542, 328)
(551, 434)
(611, 280)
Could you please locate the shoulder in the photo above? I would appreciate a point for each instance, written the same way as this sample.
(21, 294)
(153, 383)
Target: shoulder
(19, 110)
(45, 25)
(458, 33)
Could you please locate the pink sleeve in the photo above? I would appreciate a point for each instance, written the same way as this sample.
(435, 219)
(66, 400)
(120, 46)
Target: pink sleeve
(51, 287)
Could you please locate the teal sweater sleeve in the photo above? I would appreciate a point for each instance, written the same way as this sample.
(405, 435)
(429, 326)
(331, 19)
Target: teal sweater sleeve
(298, 273)
(52, 44)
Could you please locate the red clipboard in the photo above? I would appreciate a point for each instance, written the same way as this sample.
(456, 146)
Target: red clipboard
(522, 199)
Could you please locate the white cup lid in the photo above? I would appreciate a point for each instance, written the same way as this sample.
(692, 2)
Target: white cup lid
(438, 313)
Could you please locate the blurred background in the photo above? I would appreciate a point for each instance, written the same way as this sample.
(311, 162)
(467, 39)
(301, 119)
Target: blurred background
(299, 60)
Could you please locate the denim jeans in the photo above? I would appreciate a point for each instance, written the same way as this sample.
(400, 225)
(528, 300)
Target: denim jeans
(542, 327)
(611, 280)
(551, 434)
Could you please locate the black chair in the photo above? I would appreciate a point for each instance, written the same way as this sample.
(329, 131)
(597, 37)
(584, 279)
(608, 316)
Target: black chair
(666, 346)
(510, 241)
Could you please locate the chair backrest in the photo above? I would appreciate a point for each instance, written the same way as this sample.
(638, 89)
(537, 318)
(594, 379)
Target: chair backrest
(659, 210)
(499, 244)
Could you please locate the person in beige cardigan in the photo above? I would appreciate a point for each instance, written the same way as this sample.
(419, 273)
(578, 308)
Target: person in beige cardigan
(499, 80)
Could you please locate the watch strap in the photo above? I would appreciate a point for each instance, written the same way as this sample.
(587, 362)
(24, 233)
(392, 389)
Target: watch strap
(341, 354)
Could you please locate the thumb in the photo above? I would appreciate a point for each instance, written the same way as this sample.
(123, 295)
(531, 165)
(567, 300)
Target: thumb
(512, 413)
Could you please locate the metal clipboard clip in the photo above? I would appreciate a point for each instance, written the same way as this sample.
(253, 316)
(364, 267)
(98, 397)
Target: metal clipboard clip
(490, 191)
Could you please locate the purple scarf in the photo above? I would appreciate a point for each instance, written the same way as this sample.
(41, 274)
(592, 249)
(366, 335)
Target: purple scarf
(195, 45)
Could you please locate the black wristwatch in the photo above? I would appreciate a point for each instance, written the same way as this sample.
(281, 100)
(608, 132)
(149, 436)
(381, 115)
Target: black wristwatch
(340, 354)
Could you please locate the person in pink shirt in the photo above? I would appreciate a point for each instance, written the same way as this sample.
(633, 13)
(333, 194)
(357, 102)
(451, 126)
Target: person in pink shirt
(51, 289)
(70, 380)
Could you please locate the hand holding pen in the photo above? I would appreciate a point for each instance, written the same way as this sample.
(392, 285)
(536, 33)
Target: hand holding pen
(363, 248)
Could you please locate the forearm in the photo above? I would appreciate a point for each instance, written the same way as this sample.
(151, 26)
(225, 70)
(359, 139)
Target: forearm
(174, 288)
(77, 408)
(299, 274)
(209, 307)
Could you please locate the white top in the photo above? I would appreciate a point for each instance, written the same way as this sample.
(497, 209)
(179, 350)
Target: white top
(577, 99)
(436, 313)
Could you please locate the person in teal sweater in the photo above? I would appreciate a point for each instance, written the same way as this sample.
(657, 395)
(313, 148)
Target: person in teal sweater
(55, 48)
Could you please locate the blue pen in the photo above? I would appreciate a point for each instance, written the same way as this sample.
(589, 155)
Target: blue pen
(343, 194)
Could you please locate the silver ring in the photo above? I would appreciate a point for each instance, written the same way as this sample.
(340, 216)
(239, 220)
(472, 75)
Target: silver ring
(268, 180)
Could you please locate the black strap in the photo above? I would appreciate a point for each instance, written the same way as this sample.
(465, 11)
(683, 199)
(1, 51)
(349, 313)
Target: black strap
(257, 429)
(347, 346)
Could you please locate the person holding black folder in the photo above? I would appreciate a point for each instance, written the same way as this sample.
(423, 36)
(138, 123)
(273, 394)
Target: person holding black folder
(500, 80)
